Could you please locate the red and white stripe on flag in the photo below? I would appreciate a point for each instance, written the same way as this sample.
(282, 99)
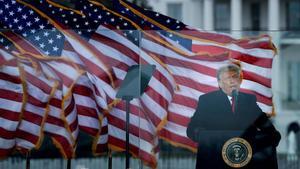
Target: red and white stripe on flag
(89, 113)
(38, 90)
(57, 128)
(11, 102)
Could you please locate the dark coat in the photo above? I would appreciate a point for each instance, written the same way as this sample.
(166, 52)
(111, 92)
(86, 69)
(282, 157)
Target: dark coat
(214, 123)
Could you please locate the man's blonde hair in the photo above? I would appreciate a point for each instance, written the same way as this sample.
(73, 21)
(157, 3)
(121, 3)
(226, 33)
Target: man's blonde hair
(228, 68)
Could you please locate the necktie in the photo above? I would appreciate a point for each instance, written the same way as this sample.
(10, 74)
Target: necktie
(232, 104)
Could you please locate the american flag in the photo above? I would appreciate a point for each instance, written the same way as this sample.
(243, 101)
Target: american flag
(11, 100)
(38, 91)
(196, 77)
(118, 58)
(36, 41)
(106, 42)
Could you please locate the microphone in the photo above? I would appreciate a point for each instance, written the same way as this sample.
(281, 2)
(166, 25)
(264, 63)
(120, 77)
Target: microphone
(234, 95)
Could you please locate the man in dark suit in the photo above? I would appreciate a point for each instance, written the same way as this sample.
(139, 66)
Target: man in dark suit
(218, 119)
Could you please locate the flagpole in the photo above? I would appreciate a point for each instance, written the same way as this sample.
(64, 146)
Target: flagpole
(109, 159)
(69, 163)
(127, 133)
(28, 160)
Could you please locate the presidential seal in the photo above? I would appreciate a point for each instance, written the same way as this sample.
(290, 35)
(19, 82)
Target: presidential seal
(237, 152)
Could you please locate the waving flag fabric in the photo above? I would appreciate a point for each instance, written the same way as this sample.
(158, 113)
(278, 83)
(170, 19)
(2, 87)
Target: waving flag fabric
(38, 92)
(12, 99)
(112, 53)
(69, 63)
(35, 40)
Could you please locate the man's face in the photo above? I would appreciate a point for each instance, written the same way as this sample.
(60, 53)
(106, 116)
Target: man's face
(229, 81)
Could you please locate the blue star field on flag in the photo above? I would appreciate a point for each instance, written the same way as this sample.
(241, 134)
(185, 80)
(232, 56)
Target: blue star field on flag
(24, 21)
(5, 43)
(109, 19)
(169, 24)
(69, 19)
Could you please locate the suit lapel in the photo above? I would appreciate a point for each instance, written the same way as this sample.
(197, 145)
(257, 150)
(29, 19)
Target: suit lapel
(224, 101)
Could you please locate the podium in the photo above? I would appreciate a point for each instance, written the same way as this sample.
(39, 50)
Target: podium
(133, 86)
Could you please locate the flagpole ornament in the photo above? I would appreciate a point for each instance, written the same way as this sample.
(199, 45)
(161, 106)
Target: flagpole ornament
(237, 152)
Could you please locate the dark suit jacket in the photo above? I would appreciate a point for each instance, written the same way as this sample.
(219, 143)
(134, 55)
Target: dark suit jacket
(214, 123)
